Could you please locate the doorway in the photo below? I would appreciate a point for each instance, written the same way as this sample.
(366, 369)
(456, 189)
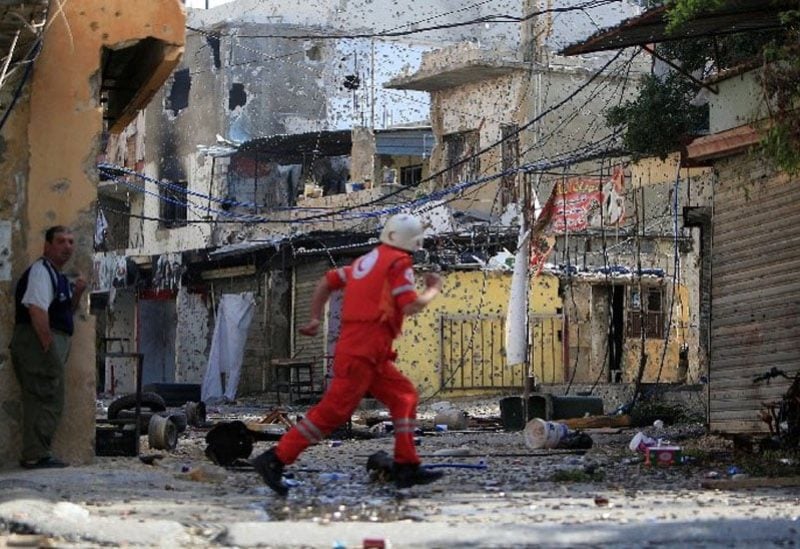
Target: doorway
(616, 332)
(157, 321)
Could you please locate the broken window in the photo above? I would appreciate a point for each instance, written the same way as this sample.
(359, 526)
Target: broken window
(213, 42)
(237, 97)
(646, 308)
(462, 164)
(173, 203)
(411, 175)
(178, 97)
(112, 223)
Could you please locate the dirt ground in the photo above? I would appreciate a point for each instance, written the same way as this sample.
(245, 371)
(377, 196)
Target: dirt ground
(496, 492)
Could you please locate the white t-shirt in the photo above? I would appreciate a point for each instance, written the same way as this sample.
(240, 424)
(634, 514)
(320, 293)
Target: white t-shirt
(40, 287)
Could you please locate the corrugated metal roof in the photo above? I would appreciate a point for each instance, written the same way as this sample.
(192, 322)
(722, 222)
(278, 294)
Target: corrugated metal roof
(291, 148)
(405, 142)
(651, 27)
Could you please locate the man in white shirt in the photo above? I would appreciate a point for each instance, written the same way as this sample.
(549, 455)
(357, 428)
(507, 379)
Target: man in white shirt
(45, 302)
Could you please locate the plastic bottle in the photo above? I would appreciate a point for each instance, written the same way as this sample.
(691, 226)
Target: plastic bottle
(640, 442)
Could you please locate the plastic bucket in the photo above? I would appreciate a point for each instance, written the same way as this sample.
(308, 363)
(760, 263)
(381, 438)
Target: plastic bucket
(540, 434)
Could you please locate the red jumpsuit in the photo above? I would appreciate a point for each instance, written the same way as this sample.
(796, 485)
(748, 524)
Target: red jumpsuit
(376, 288)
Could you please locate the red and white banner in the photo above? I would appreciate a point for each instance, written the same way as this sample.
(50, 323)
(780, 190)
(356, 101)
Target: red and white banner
(576, 204)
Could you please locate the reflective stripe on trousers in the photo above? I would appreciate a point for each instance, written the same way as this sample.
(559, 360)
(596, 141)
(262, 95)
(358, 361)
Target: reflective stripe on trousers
(353, 377)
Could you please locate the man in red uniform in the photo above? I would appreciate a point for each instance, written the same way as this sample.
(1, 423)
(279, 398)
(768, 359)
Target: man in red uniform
(379, 291)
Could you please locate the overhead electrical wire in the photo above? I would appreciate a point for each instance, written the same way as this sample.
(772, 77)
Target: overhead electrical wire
(497, 18)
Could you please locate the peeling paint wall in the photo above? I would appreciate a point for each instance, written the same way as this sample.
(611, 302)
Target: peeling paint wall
(650, 191)
(13, 183)
(193, 336)
(120, 322)
(55, 133)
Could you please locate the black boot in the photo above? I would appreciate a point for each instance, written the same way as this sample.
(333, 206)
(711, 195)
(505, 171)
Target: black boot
(271, 470)
(407, 475)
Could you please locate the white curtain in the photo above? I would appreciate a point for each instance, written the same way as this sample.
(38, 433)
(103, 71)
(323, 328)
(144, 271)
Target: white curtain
(517, 319)
(234, 314)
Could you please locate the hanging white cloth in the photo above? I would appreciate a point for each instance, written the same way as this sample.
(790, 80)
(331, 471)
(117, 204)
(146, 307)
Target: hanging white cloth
(517, 317)
(234, 314)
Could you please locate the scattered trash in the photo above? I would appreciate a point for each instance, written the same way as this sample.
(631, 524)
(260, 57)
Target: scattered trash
(334, 443)
(204, 473)
(712, 474)
(375, 543)
(332, 477)
(162, 434)
(539, 433)
(658, 424)
(733, 470)
(277, 416)
(228, 442)
(454, 419)
(441, 428)
(601, 501)
(453, 452)
(151, 459)
(575, 440)
(195, 413)
(662, 455)
(640, 442)
(382, 428)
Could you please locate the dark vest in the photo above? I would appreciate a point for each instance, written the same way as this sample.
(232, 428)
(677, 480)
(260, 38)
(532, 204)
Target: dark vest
(60, 310)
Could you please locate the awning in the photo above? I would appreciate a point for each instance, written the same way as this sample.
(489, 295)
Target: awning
(651, 27)
(294, 148)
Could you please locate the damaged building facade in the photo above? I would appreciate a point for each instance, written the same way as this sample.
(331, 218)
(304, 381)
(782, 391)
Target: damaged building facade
(544, 110)
(269, 122)
(75, 72)
(748, 286)
(275, 151)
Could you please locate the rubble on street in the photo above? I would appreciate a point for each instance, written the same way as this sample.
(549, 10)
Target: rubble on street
(496, 492)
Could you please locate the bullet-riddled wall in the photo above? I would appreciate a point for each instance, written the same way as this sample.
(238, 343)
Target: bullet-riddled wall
(457, 344)
(58, 128)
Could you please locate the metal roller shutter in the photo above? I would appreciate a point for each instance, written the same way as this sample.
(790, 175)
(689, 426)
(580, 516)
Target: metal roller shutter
(755, 293)
(306, 277)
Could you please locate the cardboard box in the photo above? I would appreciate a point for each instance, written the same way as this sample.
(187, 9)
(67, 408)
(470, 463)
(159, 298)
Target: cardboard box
(662, 456)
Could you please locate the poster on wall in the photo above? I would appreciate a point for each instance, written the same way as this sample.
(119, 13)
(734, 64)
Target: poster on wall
(582, 203)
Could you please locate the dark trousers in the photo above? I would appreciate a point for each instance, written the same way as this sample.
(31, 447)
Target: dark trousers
(41, 377)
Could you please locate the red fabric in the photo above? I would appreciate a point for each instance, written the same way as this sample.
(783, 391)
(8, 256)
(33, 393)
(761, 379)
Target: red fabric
(353, 376)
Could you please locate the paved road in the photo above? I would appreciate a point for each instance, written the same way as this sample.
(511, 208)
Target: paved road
(514, 502)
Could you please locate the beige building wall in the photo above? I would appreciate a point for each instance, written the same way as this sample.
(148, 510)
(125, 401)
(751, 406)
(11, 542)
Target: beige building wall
(55, 133)
(474, 300)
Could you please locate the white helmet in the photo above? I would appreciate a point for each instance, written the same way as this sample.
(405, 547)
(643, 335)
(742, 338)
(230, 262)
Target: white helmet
(403, 231)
